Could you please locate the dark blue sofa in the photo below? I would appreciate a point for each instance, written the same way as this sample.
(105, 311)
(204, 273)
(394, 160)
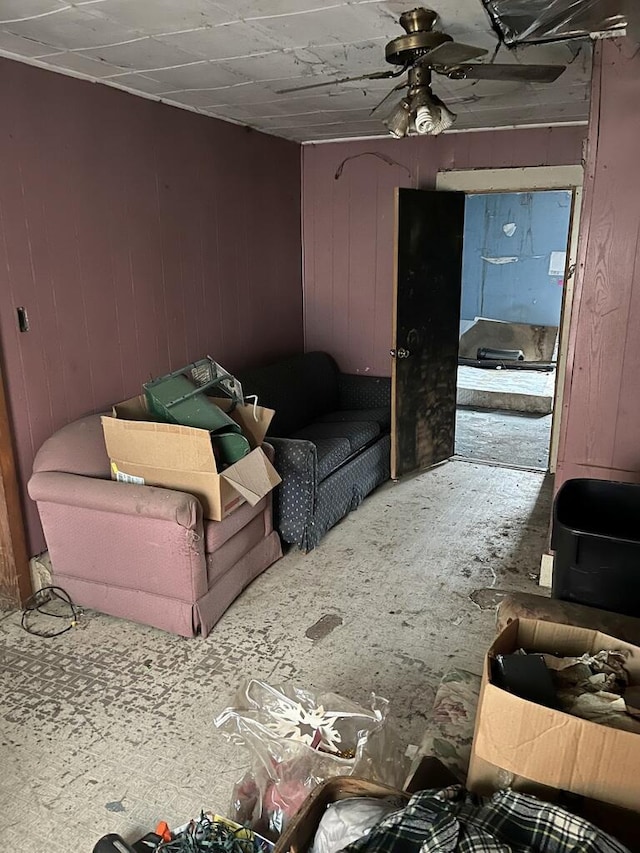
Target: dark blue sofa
(331, 439)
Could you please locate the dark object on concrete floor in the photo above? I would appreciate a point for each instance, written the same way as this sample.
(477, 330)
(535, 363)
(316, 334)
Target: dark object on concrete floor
(596, 538)
(488, 354)
(112, 843)
(488, 364)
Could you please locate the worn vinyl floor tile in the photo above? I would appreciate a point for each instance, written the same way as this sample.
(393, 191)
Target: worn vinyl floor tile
(109, 728)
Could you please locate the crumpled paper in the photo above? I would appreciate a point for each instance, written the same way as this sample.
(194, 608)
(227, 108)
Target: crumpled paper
(592, 687)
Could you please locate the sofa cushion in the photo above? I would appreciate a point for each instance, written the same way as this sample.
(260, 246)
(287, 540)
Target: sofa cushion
(381, 416)
(300, 389)
(332, 452)
(217, 533)
(357, 433)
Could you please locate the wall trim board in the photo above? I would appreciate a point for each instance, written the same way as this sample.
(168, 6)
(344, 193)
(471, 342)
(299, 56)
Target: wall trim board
(15, 583)
(511, 180)
(525, 180)
(387, 136)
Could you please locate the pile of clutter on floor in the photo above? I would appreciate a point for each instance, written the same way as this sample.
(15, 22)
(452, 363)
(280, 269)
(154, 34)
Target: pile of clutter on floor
(327, 774)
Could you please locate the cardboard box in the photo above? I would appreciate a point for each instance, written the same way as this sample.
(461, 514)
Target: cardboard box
(300, 831)
(540, 750)
(179, 457)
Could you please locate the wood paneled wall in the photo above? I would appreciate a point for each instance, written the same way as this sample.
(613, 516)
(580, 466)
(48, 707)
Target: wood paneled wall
(138, 237)
(348, 224)
(600, 434)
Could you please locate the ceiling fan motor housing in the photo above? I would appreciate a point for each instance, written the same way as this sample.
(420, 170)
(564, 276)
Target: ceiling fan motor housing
(420, 37)
(405, 50)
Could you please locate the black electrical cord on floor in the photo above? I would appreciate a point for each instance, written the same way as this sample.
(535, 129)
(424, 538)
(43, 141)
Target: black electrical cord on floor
(207, 836)
(36, 604)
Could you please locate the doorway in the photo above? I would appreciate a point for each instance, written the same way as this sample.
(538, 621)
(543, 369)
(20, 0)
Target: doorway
(509, 437)
(514, 263)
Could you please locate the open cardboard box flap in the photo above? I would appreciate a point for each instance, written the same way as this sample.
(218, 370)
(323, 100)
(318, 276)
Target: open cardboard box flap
(250, 479)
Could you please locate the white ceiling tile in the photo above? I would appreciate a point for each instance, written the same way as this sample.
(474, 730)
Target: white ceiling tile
(253, 8)
(315, 118)
(143, 55)
(19, 45)
(333, 25)
(139, 83)
(222, 42)
(197, 97)
(248, 93)
(351, 59)
(162, 16)
(310, 104)
(12, 9)
(200, 75)
(280, 66)
(71, 29)
(72, 61)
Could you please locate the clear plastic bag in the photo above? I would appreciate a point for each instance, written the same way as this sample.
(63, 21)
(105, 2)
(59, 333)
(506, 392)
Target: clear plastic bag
(296, 740)
(532, 21)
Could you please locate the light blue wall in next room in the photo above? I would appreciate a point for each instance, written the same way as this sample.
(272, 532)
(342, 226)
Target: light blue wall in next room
(507, 277)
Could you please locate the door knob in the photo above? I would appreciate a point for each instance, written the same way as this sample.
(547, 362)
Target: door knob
(401, 352)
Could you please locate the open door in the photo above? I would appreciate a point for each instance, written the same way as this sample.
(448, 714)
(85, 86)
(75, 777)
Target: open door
(427, 289)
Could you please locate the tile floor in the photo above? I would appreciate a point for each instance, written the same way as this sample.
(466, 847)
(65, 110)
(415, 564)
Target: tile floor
(109, 728)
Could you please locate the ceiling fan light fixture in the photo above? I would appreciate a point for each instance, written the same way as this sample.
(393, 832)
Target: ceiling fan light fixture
(432, 115)
(399, 120)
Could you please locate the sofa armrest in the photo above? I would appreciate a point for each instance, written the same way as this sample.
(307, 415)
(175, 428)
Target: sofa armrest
(120, 536)
(296, 460)
(110, 496)
(364, 392)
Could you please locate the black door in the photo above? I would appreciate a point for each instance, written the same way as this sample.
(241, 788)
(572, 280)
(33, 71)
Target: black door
(426, 328)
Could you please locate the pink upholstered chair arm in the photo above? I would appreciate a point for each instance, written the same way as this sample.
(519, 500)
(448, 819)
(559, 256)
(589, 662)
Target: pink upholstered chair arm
(123, 498)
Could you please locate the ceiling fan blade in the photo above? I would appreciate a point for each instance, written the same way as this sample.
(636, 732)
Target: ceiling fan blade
(377, 75)
(530, 73)
(387, 96)
(452, 53)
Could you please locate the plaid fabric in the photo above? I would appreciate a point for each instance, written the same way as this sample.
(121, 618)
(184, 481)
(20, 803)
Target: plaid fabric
(454, 821)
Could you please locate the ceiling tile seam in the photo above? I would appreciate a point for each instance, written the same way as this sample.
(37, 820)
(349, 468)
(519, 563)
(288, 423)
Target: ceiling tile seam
(248, 83)
(352, 111)
(296, 14)
(157, 36)
(223, 58)
(55, 11)
(249, 103)
(154, 37)
(81, 49)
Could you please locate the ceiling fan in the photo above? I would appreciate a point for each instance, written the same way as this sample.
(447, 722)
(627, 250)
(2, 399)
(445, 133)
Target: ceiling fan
(419, 52)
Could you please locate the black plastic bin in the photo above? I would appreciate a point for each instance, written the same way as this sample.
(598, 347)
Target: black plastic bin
(596, 537)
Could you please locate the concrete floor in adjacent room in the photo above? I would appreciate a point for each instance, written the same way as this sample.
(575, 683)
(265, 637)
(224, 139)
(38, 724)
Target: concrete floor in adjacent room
(504, 438)
(109, 728)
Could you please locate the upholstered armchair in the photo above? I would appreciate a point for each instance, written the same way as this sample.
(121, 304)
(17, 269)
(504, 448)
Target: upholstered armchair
(137, 551)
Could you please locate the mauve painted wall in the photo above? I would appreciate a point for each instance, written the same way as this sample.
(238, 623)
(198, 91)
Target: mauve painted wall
(348, 224)
(139, 237)
(600, 433)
